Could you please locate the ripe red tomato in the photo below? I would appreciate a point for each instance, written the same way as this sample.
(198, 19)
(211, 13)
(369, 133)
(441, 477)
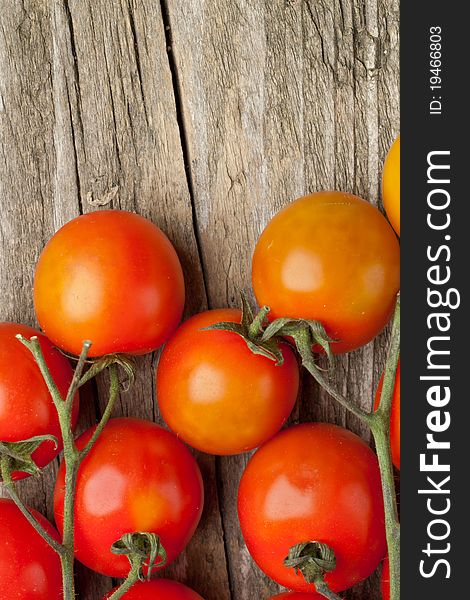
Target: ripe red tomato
(216, 394)
(391, 185)
(330, 257)
(385, 581)
(395, 416)
(137, 477)
(111, 277)
(29, 567)
(26, 406)
(314, 482)
(163, 589)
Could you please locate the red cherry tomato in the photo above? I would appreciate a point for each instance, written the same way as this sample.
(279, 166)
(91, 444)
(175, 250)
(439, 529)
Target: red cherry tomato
(391, 185)
(137, 477)
(111, 277)
(395, 416)
(29, 567)
(314, 482)
(385, 581)
(330, 257)
(26, 406)
(216, 394)
(159, 589)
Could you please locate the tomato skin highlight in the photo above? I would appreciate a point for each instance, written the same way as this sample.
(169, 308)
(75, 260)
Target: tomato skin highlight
(26, 406)
(394, 417)
(331, 257)
(161, 589)
(137, 477)
(29, 567)
(111, 277)
(217, 395)
(391, 185)
(314, 481)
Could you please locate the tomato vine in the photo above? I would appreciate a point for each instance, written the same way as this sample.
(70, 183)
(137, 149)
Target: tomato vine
(379, 424)
(306, 335)
(72, 456)
(143, 549)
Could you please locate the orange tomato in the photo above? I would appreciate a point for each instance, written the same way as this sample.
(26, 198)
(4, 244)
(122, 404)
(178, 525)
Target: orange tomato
(330, 257)
(395, 416)
(391, 185)
(111, 277)
(216, 394)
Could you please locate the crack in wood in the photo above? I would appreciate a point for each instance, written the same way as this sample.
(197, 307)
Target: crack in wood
(183, 136)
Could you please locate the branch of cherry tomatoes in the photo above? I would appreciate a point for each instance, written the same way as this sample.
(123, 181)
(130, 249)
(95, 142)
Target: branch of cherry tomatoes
(317, 506)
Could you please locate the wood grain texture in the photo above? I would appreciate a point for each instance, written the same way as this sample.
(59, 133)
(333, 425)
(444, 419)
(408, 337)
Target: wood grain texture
(206, 117)
(280, 99)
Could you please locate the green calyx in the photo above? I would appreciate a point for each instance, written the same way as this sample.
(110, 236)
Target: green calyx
(19, 454)
(263, 337)
(124, 361)
(251, 329)
(312, 559)
(143, 550)
(302, 331)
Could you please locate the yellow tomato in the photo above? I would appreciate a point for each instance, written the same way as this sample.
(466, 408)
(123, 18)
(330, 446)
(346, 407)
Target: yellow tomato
(330, 257)
(391, 185)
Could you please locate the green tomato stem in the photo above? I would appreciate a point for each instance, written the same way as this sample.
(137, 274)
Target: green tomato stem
(131, 579)
(392, 525)
(71, 459)
(77, 376)
(379, 423)
(303, 343)
(71, 469)
(68, 582)
(34, 347)
(255, 328)
(324, 590)
(380, 427)
(72, 456)
(113, 394)
(97, 366)
(10, 488)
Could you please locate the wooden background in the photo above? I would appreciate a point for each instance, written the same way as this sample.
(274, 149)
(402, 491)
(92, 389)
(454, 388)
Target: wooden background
(205, 116)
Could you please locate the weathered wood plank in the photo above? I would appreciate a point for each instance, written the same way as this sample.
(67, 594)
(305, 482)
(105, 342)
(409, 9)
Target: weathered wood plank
(38, 190)
(88, 116)
(27, 166)
(282, 98)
